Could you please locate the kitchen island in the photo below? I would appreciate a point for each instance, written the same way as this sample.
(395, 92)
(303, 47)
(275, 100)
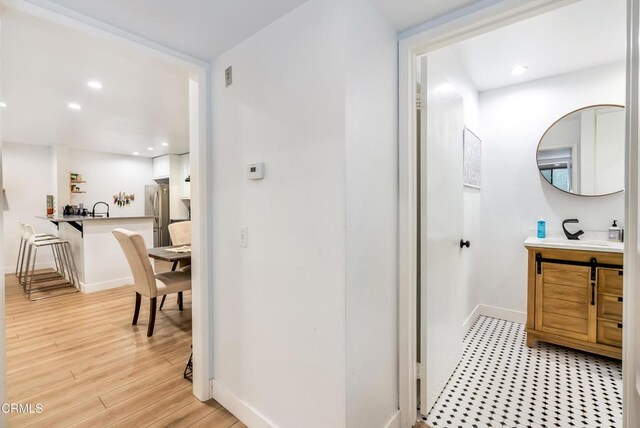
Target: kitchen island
(99, 259)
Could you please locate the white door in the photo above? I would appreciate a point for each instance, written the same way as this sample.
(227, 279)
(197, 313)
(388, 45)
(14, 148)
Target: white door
(441, 225)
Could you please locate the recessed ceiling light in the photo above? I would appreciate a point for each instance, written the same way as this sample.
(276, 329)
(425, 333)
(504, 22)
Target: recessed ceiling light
(150, 149)
(165, 144)
(94, 84)
(517, 70)
(75, 106)
(3, 104)
(136, 153)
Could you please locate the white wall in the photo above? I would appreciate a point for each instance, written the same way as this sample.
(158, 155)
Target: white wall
(371, 197)
(284, 307)
(27, 173)
(279, 305)
(514, 194)
(107, 174)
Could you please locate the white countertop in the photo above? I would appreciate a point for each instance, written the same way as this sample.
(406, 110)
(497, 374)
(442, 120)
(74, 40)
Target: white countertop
(584, 245)
(78, 218)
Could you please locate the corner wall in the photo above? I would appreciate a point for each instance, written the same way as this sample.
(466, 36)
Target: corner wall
(514, 195)
(305, 323)
(279, 304)
(371, 215)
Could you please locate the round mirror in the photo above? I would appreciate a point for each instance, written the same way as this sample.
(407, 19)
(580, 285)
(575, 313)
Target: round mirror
(583, 152)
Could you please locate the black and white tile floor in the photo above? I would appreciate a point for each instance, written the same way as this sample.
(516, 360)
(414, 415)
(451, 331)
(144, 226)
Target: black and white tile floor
(500, 382)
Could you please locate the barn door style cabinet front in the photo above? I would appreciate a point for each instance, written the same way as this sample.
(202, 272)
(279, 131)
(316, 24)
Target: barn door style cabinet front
(575, 299)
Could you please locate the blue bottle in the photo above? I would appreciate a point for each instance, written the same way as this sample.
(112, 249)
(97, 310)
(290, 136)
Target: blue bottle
(542, 229)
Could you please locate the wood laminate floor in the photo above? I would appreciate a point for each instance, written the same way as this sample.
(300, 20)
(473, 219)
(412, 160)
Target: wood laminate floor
(79, 356)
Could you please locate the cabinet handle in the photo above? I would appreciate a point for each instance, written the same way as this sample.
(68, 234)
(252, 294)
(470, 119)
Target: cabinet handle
(593, 293)
(620, 299)
(619, 325)
(620, 273)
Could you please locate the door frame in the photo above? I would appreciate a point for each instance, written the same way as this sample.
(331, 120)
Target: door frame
(200, 158)
(464, 24)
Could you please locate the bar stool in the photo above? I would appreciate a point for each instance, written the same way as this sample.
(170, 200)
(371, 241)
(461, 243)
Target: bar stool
(65, 275)
(23, 244)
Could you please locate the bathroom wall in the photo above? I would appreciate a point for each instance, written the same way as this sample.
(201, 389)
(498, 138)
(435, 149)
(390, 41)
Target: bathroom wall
(514, 195)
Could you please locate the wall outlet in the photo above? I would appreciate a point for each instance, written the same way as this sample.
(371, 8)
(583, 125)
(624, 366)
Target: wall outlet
(244, 237)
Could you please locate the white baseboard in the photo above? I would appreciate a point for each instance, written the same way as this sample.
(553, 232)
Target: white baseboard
(45, 265)
(394, 422)
(471, 319)
(503, 314)
(494, 312)
(105, 285)
(241, 410)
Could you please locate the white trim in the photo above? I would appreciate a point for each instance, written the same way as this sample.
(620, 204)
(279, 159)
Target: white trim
(105, 285)
(503, 314)
(241, 410)
(202, 275)
(471, 319)
(438, 33)
(631, 266)
(394, 421)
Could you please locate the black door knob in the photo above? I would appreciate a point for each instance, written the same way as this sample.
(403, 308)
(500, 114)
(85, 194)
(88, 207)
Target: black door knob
(464, 243)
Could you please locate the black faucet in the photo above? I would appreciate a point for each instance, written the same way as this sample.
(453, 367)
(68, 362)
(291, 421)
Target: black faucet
(93, 210)
(569, 235)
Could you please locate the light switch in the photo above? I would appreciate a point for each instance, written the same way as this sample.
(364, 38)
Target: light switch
(255, 171)
(244, 237)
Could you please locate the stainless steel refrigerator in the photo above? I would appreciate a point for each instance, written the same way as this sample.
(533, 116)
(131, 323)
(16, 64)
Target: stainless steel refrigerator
(156, 203)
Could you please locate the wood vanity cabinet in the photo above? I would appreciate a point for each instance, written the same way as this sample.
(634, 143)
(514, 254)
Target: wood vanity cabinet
(575, 299)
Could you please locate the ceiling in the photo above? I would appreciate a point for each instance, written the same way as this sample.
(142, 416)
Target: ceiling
(143, 103)
(405, 14)
(203, 29)
(582, 35)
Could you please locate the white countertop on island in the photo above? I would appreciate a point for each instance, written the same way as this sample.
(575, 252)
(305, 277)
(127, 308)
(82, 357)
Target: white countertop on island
(584, 245)
(80, 218)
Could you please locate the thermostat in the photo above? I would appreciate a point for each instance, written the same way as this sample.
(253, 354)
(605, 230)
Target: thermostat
(255, 171)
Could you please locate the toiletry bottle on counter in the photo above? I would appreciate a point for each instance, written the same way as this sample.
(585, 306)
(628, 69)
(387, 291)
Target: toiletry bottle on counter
(542, 228)
(615, 232)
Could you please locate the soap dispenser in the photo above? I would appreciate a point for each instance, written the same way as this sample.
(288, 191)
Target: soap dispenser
(615, 233)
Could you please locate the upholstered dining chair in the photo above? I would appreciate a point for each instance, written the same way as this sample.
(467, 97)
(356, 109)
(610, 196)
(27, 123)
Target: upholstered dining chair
(146, 282)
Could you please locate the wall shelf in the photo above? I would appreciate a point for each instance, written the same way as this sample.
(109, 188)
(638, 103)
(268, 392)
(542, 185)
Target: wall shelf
(74, 180)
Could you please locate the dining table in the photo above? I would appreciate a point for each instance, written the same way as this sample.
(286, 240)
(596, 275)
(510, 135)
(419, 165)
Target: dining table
(173, 254)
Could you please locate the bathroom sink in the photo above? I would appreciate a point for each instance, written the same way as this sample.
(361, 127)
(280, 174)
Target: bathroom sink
(586, 244)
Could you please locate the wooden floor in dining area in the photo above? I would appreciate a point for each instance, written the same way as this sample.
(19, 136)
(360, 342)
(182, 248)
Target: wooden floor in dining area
(79, 356)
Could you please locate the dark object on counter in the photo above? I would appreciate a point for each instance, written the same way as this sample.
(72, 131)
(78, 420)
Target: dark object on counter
(569, 235)
(68, 210)
(188, 179)
(93, 210)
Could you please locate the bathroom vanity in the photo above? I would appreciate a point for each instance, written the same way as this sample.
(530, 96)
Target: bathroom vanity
(574, 294)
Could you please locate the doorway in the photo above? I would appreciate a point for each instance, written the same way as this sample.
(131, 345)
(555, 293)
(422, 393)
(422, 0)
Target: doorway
(196, 83)
(485, 304)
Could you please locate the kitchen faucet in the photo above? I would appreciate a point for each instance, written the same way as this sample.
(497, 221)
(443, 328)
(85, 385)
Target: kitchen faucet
(569, 235)
(93, 210)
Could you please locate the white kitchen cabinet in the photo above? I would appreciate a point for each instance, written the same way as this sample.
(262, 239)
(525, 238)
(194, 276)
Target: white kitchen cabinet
(185, 171)
(161, 167)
